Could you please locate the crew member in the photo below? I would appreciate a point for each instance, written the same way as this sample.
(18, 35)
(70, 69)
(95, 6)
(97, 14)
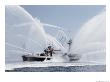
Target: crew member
(50, 50)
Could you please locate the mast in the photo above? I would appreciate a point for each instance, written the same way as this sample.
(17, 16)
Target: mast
(69, 43)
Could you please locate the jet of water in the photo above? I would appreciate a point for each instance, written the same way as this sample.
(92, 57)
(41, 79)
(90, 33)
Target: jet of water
(91, 40)
(20, 22)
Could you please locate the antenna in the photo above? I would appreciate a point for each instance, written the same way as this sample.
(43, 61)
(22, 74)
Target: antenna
(69, 43)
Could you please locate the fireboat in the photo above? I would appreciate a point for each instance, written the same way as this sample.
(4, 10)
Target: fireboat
(46, 55)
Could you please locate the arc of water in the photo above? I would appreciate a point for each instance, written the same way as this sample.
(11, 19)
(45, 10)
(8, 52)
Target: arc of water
(30, 39)
(95, 52)
(11, 45)
(18, 51)
(22, 24)
(89, 45)
(63, 34)
(50, 25)
(60, 32)
(44, 24)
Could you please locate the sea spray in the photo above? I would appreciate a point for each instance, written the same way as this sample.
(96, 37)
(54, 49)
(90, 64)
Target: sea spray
(16, 23)
(90, 42)
(24, 32)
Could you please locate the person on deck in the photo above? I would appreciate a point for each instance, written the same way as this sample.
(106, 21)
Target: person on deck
(49, 51)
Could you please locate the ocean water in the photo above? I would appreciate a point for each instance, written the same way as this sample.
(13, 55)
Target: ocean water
(75, 66)
(87, 68)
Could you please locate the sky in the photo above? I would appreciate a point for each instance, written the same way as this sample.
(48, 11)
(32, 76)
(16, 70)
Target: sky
(69, 17)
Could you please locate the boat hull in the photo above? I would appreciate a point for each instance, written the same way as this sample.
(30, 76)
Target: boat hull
(34, 58)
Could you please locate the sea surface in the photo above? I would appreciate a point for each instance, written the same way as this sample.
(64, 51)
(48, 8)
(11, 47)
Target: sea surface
(87, 68)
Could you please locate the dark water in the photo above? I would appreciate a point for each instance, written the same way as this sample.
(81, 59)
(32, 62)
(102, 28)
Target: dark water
(88, 68)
